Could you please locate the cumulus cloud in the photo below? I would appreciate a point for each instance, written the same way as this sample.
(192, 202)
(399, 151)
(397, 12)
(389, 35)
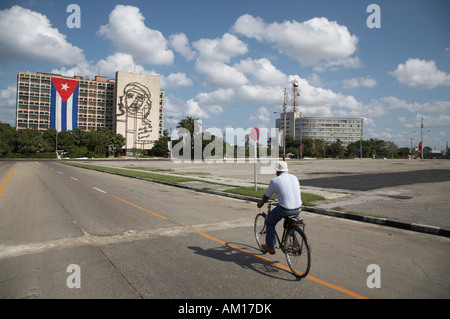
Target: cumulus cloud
(27, 35)
(355, 83)
(316, 42)
(441, 121)
(180, 43)
(430, 107)
(194, 109)
(220, 49)
(126, 29)
(262, 115)
(219, 74)
(175, 81)
(107, 67)
(213, 54)
(420, 74)
(179, 108)
(261, 71)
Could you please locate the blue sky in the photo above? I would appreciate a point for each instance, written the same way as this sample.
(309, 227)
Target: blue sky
(228, 62)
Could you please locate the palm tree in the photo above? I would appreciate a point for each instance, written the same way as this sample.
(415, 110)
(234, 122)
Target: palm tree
(190, 124)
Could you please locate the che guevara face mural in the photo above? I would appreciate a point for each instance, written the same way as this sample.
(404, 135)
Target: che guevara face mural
(135, 104)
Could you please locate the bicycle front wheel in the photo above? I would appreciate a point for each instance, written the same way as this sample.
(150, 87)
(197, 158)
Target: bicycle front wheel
(298, 252)
(260, 230)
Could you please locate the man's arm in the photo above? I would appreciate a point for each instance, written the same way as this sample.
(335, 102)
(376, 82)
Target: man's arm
(263, 200)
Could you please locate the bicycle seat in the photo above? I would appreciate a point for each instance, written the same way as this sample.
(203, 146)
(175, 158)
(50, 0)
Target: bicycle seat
(292, 221)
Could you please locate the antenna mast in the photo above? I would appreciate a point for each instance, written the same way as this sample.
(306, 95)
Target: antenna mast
(295, 93)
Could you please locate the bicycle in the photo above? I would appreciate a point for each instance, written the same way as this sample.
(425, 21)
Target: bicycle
(294, 243)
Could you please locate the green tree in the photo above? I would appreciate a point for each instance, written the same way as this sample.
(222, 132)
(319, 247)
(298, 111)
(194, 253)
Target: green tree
(8, 136)
(403, 152)
(336, 149)
(31, 141)
(160, 147)
(189, 123)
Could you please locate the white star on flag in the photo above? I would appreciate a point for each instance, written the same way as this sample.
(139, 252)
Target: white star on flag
(64, 87)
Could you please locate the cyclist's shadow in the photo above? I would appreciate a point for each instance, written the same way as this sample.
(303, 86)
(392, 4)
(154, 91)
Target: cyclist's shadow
(246, 261)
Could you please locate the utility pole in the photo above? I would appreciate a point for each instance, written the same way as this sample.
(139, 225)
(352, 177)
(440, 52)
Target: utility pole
(170, 119)
(410, 150)
(421, 136)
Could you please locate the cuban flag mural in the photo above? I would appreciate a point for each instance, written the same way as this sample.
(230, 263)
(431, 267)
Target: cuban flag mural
(64, 104)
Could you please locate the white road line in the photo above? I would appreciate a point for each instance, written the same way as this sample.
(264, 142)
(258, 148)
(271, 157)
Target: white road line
(60, 173)
(98, 189)
(73, 178)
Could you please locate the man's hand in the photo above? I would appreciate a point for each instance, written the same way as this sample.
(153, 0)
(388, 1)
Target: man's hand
(263, 200)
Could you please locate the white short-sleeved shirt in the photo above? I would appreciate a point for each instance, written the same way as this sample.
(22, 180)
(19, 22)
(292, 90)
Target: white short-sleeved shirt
(287, 188)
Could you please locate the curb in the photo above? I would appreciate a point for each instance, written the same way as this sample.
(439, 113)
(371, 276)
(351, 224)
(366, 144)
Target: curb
(361, 218)
(383, 221)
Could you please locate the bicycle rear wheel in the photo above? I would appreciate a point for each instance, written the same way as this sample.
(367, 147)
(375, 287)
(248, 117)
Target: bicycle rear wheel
(260, 230)
(298, 252)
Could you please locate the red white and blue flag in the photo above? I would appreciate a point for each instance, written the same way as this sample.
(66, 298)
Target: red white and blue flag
(64, 104)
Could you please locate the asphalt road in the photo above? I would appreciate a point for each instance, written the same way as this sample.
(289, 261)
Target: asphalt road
(136, 239)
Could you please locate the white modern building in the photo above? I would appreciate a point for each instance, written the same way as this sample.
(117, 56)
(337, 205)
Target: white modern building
(329, 129)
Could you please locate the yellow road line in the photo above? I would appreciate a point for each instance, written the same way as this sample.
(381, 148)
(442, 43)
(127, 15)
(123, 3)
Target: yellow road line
(281, 266)
(141, 208)
(274, 263)
(7, 179)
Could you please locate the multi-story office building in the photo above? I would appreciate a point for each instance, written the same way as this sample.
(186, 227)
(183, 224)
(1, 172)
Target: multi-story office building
(329, 129)
(131, 104)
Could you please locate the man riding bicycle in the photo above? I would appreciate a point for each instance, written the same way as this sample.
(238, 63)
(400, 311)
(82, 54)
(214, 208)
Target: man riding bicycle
(287, 188)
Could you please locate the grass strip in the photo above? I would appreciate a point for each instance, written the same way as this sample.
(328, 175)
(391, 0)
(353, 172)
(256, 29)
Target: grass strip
(134, 173)
(307, 198)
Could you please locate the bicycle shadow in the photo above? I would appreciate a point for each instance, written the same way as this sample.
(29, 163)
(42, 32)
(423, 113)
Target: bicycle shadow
(246, 259)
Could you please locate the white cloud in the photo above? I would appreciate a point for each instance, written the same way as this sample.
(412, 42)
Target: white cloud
(27, 35)
(355, 83)
(220, 49)
(262, 71)
(316, 42)
(126, 29)
(194, 109)
(107, 67)
(179, 108)
(219, 96)
(219, 74)
(180, 43)
(120, 62)
(429, 107)
(260, 94)
(212, 56)
(430, 122)
(262, 115)
(420, 74)
(175, 80)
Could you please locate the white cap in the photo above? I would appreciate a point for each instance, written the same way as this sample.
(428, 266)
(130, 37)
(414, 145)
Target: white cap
(281, 166)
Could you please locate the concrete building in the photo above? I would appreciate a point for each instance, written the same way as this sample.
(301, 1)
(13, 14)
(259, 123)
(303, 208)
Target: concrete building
(131, 104)
(329, 129)
(139, 109)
